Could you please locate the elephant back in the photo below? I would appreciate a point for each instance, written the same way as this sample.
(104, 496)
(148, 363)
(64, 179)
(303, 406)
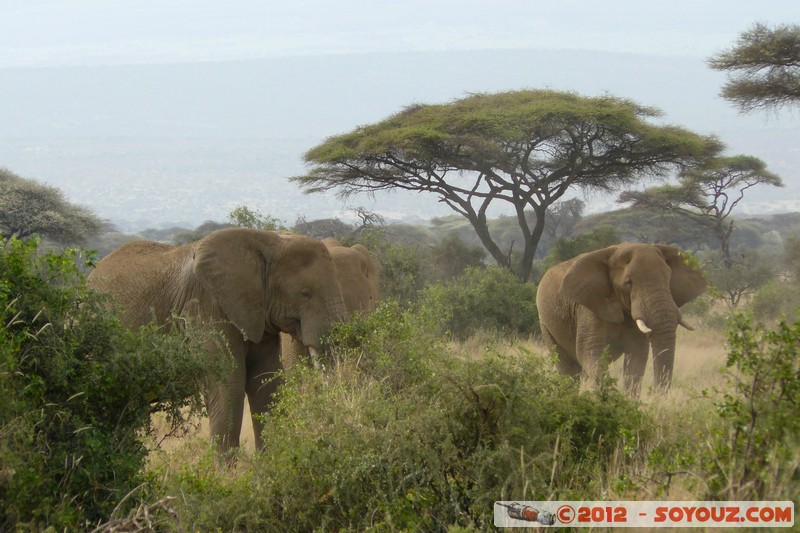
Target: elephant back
(140, 277)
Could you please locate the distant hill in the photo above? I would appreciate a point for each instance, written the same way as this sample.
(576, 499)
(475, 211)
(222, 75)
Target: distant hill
(752, 232)
(147, 145)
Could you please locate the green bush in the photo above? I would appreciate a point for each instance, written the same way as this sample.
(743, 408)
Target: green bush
(489, 298)
(78, 391)
(404, 269)
(754, 455)
(427, 445)
(451, 256)
(776, 299)
(565, 248)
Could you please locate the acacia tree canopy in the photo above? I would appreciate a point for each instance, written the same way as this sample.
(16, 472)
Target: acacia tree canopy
(764, 68)
(526, 148)
(28, 207)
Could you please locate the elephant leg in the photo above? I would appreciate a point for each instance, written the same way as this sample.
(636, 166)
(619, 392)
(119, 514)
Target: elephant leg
(263, 379)
(225, 400)
(590, 343)
(636, 350)
(566, 362)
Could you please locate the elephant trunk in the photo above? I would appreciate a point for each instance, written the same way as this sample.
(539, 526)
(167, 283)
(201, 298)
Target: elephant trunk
(657, 316)
(311, 337)
(663, 345)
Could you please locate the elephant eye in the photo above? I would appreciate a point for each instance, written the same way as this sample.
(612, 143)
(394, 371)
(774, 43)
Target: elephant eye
(628, 281)
(305, 294)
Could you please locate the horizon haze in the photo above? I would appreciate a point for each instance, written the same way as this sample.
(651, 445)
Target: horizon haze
(152, 114)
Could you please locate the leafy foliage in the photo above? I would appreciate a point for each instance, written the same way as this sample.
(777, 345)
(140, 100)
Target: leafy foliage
(527, 148)
(483, 298)
(755, 455)
(792, 255)
(403, 269)
(567, 248)
(78, 391)
(245, 217)
(708, 193)
(29, 208)
(764, 68)
(451, 256)
(402, 434)
(776, 299)
(743, 278)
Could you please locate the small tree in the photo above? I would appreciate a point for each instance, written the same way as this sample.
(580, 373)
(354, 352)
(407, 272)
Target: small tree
(746, 275)
(245, 217)
(452, 256)
(764, 68)
(566, 248)
(791, 252)
(525, 148)
(708, 194)
(30, 208)
(563, 217)
(754, 454)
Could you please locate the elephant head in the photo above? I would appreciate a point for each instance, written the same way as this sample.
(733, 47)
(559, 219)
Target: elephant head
(634, 292)
(255, 284)
(266, 283)
(358, 277)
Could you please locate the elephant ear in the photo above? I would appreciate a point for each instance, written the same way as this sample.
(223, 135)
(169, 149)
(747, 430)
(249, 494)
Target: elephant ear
(688, 280)
(588, 282)
(233, 266)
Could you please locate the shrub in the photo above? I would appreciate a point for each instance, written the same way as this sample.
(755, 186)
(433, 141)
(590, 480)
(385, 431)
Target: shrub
(428, 445)
(776, 299)
(490, 298)
(565, 248)
(78, 390)
(755, 453)
(451, 256)
(404, 269)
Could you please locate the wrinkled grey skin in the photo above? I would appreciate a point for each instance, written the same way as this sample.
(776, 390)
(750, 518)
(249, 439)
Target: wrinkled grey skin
(358, 276)
(594, 300)
(253, 284)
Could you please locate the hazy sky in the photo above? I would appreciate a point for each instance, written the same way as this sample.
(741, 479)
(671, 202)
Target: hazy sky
(169, 101)
(90, 32)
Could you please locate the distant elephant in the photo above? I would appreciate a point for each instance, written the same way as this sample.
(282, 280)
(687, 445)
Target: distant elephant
(254, 283)
(358, 276)
(624, 298)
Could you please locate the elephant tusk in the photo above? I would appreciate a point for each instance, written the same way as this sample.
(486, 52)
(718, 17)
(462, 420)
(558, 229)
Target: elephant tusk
(315, 362)
(686, 325)
(642, 326)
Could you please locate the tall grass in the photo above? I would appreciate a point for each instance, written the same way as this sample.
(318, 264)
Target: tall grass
(405, 430)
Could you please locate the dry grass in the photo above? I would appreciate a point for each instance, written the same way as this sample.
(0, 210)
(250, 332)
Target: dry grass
(199, 431)
(677, 418)
(699, 365)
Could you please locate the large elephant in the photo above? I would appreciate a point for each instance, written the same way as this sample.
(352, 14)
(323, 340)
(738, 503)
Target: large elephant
(358, 276)
(624, 298)
(253, 284)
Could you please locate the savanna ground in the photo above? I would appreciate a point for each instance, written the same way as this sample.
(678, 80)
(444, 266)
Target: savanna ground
(420, 420)
(643, 461)
(699, 366)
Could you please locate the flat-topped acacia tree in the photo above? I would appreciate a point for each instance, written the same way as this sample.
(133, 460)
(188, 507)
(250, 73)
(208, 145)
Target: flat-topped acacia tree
(527, 148)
